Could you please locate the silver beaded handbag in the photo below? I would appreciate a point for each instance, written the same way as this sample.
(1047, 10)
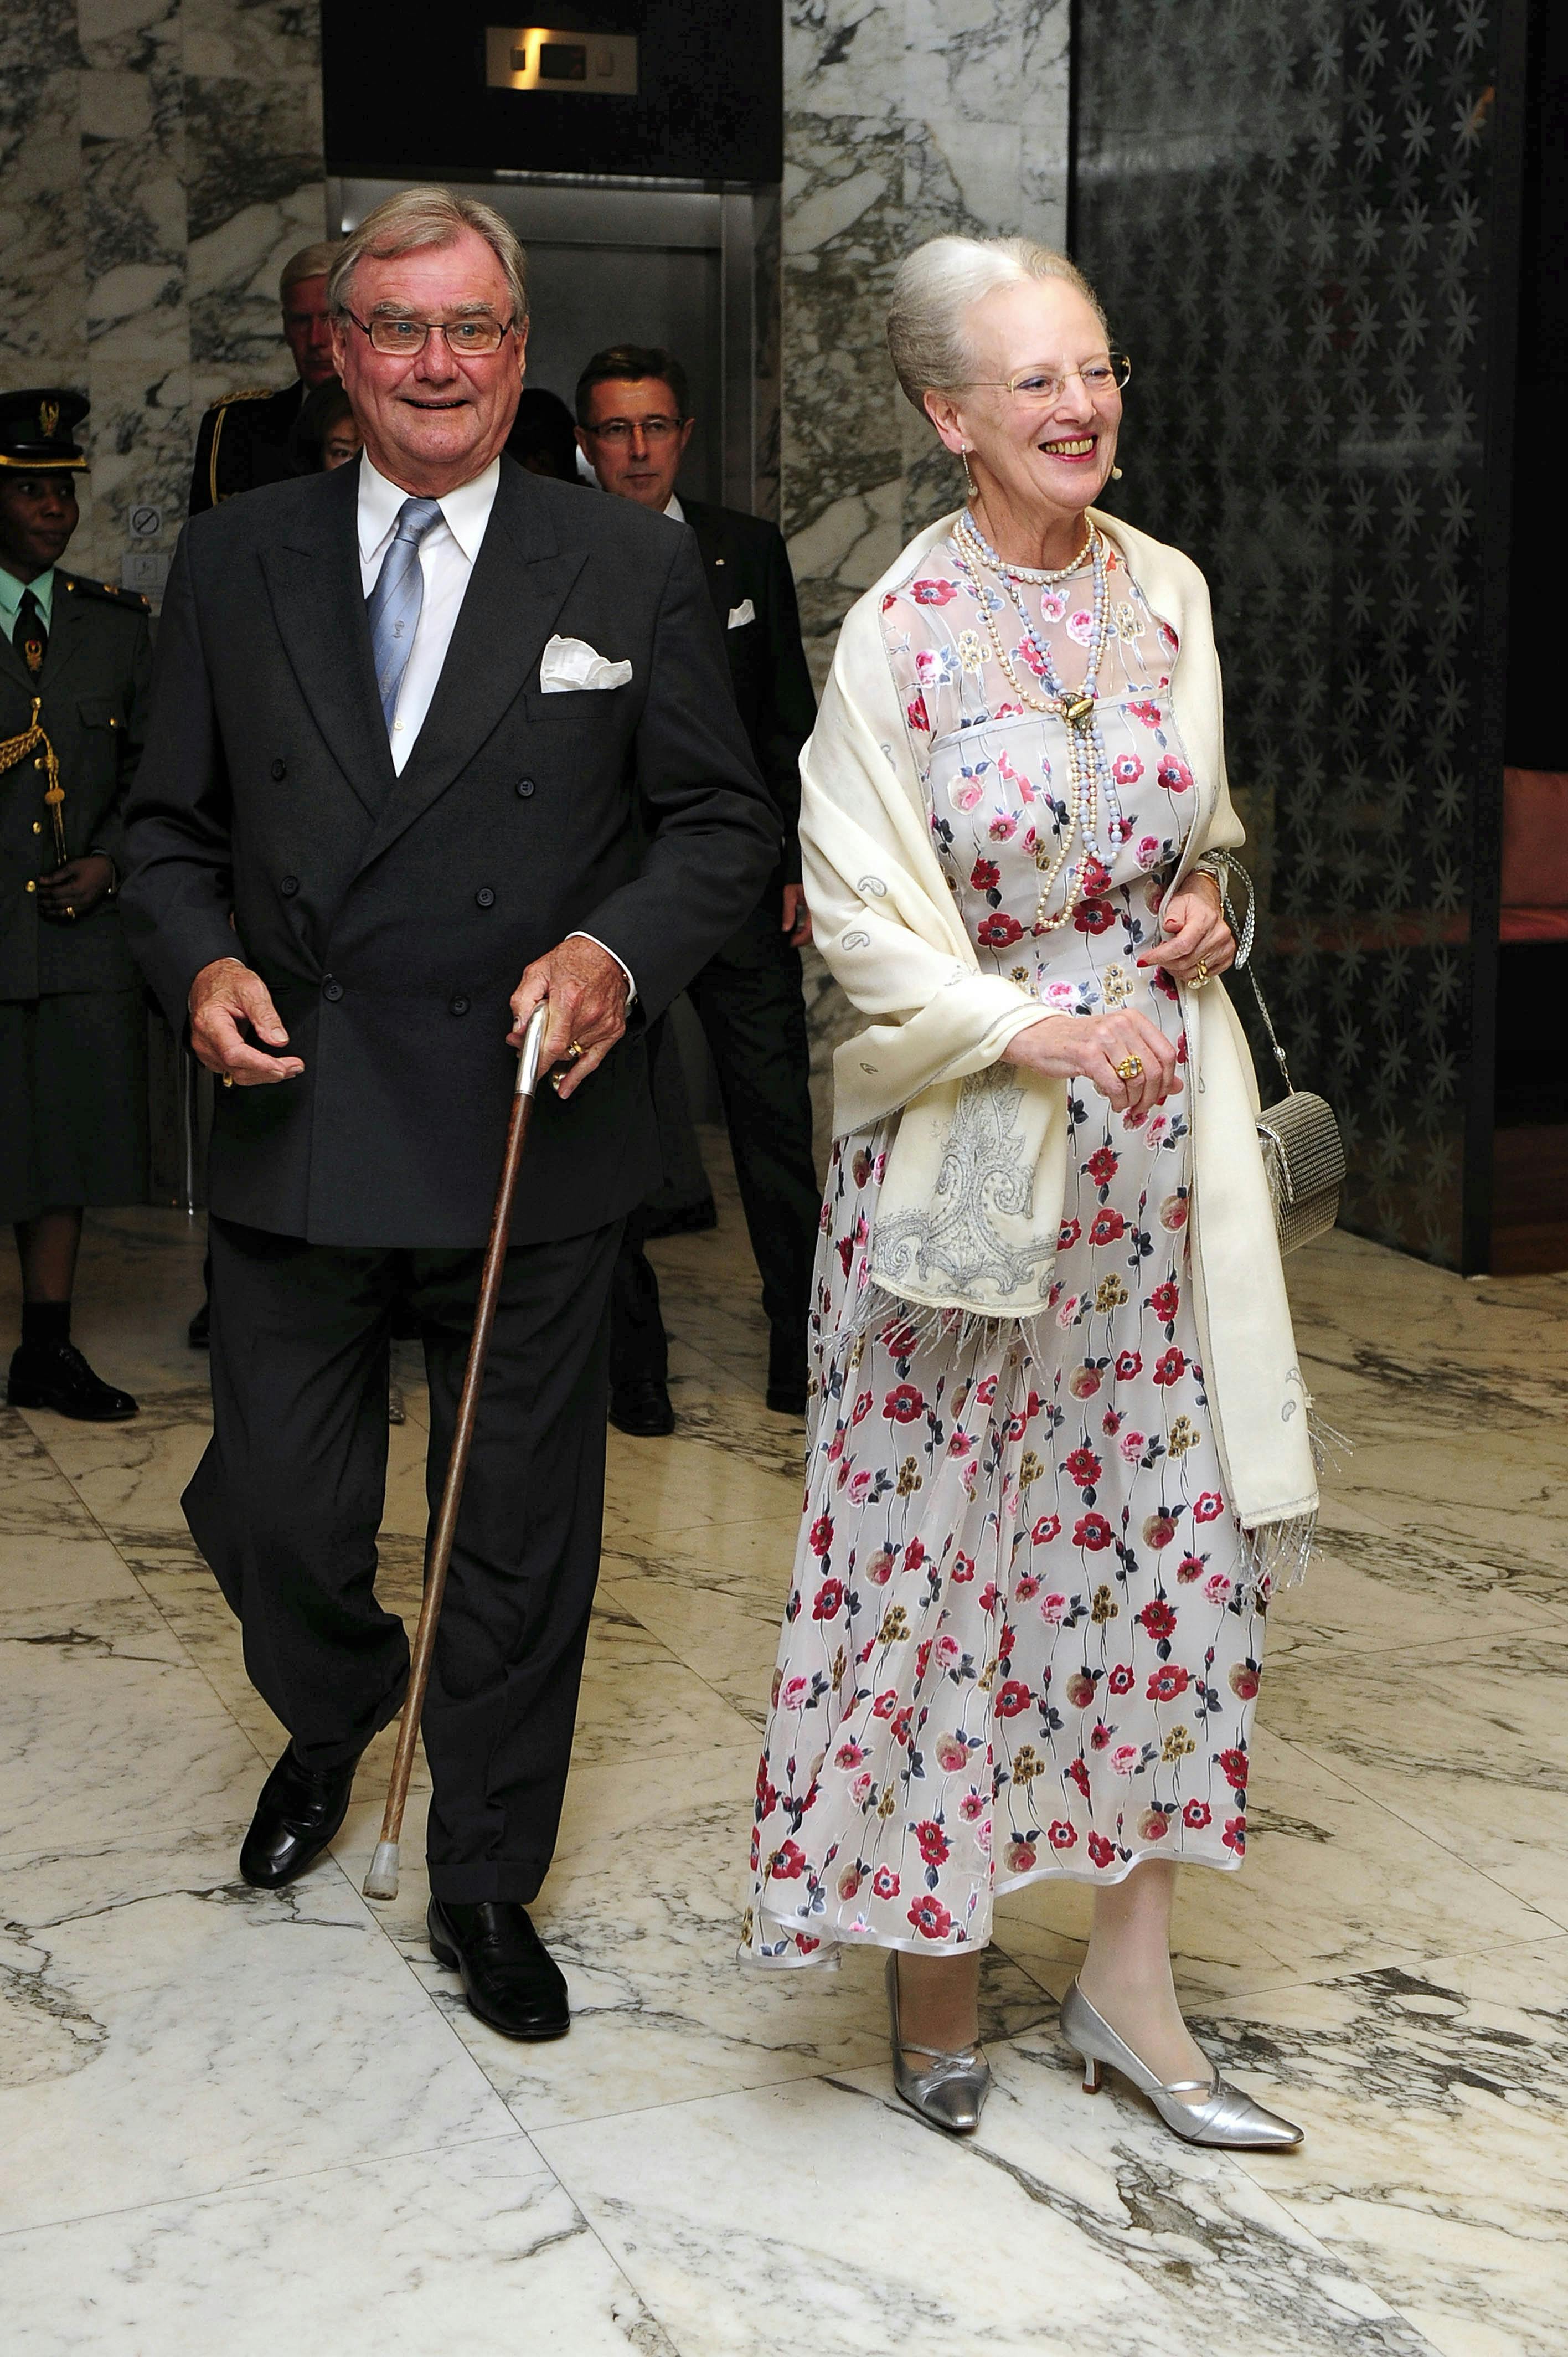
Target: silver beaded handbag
(1304, 1154)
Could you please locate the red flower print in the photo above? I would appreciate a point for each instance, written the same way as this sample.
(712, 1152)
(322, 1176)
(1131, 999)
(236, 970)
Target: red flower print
(1080, 1689)
(788, 1863)
(1165, 983)
(821, 1533)
(1078, 1773)
(930, 1919)
(998, 932)
(933, 1840)
(1100, 1850)
(887, 1703)
(1170, 1366)
(899, 1341)
(1197, 1813)
(1165, 1301)
(848, 1755)
(1158, 1531)
(984, 875)
(903, 1404)
(1025, 1588)
(1127, 769)
(1062, 1834)
(1128, 1364)
(990, 1597)
(1084, 1467)
(1093, 916)
(1018, 1858)
(1235, 1835)
(1149, 714)
(1066, 1236)
(1108, 1227)
(1191, 1567)
(1091, 1531)
(1048, 1528)
(1153, 1825)
(1174, 776)
(1168, 1681)
(902, 1722)
(913, 1554)
(1233, 1768)
(846, 1250)
(1158, 1618)
(1012, 1698)
(962, 1568)
(884, 1883)
(1243, 1681)
(985, 1392)
(1207, 1506)
(1121, 1679)
(829, 1600)
(934, 593)
(1101, 1737)
(917, 714)
(862, 1407)
(1096, 878)
(1102, 1165)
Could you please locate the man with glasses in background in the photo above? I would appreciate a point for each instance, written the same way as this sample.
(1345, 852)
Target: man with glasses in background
(428, 724)
(245, 438)
(635, 422)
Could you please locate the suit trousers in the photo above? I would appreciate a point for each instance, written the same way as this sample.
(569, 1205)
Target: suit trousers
(286, 1503)
(749, 1003)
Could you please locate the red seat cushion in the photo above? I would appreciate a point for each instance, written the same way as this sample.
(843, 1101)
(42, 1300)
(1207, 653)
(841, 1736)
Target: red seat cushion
(1535, 850)
(1534, 925)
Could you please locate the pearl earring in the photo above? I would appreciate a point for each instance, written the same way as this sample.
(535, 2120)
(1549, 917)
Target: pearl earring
(968, 478)
(1116, 474)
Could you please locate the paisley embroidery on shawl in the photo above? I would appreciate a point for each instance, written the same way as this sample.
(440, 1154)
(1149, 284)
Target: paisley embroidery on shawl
(955, 1245)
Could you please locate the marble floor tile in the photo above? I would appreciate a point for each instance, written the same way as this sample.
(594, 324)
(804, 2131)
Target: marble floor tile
(34, 1496)
(729, 1644)
(1368, 1588)
(817, 2220)
(1331, 1880)
(199, 2035)
(1435, 2102)
(476, 2246)
(56, 1568)
(748, 1560)
(130, 1476)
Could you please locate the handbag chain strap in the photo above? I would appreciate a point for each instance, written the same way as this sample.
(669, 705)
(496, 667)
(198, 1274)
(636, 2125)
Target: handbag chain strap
(1222, 866)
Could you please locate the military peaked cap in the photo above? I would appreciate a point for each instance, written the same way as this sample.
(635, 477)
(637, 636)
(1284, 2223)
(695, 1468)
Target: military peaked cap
(38, 430)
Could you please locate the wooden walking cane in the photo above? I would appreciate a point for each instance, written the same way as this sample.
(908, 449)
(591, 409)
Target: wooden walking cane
(382, 1880)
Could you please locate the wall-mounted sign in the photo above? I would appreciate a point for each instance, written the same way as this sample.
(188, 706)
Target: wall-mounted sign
(563, 65)
(147, 522)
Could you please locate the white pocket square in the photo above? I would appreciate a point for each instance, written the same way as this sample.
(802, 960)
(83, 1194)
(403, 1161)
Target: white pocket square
(740, 615)
(571, 663)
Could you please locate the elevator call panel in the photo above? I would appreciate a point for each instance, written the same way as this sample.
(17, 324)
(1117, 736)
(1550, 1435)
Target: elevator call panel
(566, 65)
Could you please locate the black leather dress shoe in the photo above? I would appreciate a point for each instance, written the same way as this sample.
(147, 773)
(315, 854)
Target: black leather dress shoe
(642, 1407)
(296, 1816)
(56, 1375)
(509, 1978)
(787, 1371)
(690, 1220)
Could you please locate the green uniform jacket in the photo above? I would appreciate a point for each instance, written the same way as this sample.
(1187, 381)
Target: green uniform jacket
(94, 698)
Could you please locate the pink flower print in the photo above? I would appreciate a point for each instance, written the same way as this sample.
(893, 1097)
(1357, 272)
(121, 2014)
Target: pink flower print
(1148, 850)
(972, 1808)
(1002, 827)
(1068, 1312)
(1172, 1214)
(951, 1752)
(934, 593)
(967, 791)
(795, 1692)
(1174, 776)
(1053, 1611)
(961, 1442)
(1053, 605)
(1019, 1857)
(1124, 1760)
(1085, 1381)
(1216, 1587)
(1126, 768)
(860, 1488)
(1133, 1445)
(1061, 996)
(949, 1652)
(1023, 1588)
(1030, 656)
(1080, 627)
(1148, 712)
(848, 1755)
(861, 1789)
(1168, 639)
(917, 714)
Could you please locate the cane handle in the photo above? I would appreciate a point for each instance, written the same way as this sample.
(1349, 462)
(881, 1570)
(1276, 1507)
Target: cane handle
(530, 1050)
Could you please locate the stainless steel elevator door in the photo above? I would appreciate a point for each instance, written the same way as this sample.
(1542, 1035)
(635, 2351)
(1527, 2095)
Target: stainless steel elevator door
(630, 264)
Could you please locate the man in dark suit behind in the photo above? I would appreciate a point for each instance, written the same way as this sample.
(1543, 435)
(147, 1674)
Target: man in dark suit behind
(247, 438)
(634, 422)
(404, 716)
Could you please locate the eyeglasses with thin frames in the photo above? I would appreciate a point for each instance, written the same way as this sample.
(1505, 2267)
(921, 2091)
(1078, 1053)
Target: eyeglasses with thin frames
(1039, 388)
(468, 340)
(617, 430)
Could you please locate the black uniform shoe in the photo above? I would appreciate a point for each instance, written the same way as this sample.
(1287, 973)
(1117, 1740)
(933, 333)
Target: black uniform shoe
(642, 1407)
(787, 1371)
(56, 1375)
(199, 1333)
(690, 1220)
(509, 1978)
(296, 1817)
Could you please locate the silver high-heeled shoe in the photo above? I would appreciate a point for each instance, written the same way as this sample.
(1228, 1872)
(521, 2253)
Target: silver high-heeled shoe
(1224, 2117)
(951, 2093)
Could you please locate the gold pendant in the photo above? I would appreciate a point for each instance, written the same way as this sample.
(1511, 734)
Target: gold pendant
(1078, 710)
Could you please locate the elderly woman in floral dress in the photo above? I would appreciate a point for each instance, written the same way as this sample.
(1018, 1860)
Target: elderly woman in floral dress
(1057, 1445)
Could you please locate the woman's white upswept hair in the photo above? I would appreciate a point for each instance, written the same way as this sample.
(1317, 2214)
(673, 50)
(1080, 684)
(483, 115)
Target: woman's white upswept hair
(934, 288)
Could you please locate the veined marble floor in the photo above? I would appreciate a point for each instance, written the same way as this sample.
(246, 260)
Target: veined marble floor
(236, 2121)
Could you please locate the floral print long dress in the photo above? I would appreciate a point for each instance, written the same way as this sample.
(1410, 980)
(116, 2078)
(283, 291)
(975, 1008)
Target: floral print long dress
(1020, 1638)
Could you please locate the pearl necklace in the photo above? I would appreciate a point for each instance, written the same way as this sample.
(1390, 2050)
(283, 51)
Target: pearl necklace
(1088, 768)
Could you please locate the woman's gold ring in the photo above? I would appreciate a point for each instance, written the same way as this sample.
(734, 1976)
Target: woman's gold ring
(1131, 1068)
(1201, 973)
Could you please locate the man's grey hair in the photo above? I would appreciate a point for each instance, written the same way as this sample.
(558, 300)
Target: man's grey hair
(310, 262)
(417, 218)
(934, 289)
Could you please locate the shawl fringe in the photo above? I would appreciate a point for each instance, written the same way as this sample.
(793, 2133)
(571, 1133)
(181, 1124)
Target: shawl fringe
(1277, 1554)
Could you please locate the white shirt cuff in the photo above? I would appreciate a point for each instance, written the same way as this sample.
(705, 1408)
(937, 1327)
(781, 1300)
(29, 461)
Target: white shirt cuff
(630, 985)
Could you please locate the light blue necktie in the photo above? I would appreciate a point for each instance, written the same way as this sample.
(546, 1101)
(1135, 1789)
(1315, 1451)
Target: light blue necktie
(396, 599)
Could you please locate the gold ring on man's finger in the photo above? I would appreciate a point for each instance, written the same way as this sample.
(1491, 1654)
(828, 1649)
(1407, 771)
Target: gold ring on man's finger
(228, 1080)
(576, 1052)
(1131, 1068)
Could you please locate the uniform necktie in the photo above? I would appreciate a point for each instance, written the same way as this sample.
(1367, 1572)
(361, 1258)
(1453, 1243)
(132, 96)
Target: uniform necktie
(396, 599)
(31, 639)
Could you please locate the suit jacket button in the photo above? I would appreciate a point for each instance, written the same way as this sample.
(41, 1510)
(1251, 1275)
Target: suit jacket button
(332, 990)
(525, 786)
(280, 769)
(459, 1007)
(289, 885)
(484, 897)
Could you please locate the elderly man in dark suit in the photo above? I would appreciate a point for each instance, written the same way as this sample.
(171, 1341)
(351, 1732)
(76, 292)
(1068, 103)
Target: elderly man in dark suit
(404, 716)
(634, 422)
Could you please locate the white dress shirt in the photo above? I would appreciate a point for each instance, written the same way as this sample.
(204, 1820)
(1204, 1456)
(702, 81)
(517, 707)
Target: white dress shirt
(448, 555)
(672, 508)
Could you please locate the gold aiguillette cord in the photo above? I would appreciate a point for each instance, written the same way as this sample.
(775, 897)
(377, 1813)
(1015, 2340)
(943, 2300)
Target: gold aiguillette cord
(16, 748)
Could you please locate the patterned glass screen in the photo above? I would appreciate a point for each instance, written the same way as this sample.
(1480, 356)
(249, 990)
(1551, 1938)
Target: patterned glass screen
(1287, 209)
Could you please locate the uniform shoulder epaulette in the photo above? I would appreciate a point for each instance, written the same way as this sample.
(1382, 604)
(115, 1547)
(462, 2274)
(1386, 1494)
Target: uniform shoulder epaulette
(252, 392)
(76, 585)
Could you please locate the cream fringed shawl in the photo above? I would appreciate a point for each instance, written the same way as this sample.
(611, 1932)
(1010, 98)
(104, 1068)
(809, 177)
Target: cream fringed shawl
(971, 1199)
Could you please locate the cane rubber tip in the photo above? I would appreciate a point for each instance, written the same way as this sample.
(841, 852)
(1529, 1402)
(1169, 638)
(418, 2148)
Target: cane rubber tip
(382, 1880)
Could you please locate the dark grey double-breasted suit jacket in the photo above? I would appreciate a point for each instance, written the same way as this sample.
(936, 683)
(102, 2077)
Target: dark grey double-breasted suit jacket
(392, 917)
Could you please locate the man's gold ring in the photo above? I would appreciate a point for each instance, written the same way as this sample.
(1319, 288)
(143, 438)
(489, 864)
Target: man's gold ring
(70, 912)
(1131, 1068)
(576, 1051)
(228, 1080)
